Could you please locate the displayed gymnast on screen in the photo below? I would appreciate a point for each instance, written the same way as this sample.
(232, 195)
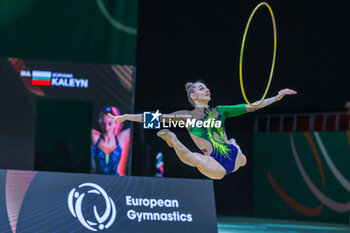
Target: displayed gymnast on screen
(110, 146)
(219, 156)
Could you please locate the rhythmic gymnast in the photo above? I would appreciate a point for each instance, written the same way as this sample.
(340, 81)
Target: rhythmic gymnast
(219, 156)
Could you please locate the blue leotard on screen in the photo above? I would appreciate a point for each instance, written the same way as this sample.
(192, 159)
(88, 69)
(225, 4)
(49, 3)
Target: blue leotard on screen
(106, 164)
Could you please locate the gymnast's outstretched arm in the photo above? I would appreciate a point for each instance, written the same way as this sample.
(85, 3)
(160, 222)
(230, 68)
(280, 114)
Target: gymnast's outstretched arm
(127, 117)
(175, 116)
(271, 100)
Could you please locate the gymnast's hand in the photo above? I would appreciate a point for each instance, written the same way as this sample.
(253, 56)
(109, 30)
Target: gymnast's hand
(284, 92)
(120, 118)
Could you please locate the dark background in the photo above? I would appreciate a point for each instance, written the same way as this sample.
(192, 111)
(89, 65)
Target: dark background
(63, 135)
(69, 31)
(181, 41)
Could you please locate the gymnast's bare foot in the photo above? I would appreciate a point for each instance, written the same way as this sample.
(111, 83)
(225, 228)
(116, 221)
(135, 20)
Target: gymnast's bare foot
(167, 136)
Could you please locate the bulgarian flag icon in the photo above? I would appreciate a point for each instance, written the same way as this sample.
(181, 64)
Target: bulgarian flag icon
(41, 78)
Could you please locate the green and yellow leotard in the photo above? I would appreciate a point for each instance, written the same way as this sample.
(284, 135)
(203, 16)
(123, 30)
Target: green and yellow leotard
(224, 153)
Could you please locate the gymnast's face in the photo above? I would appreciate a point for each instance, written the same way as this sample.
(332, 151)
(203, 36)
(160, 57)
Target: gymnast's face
(109, 124)
(201, 93)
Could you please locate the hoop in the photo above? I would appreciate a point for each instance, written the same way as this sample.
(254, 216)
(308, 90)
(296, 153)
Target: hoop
(274, 53)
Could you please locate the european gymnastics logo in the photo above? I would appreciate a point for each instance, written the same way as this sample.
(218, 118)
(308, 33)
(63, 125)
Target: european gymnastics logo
(75, 200)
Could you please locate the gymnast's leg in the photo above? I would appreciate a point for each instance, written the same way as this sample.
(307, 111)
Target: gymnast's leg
(207, 165)
(241, 159)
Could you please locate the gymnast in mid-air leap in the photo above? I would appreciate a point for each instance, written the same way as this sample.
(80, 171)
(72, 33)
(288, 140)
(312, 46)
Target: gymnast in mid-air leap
(219, 156)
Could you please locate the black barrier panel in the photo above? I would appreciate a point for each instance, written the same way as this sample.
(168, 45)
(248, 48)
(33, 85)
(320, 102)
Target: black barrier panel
(62, 202)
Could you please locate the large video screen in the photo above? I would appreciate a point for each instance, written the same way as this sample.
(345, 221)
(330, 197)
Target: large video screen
(55, 116)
